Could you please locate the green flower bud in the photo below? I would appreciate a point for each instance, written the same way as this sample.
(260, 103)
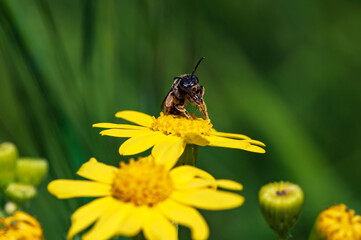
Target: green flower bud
(281, 204)
(337, 223)
(31, 170)
(8, 157)
(19, 192)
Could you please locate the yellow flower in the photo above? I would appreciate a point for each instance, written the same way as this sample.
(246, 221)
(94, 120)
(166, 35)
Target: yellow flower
(144, 195)
(339, 223)
(170, 134)
(21, 226)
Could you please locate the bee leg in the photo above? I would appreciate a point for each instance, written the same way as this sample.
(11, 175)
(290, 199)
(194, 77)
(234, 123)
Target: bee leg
(203, 106)
(204, 112)
(201, 91)
(166, 110)
(182, 109)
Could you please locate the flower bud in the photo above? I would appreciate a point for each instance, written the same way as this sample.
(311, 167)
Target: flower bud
(337, 223)
(8, 157)
(31, 170)
(19, 192)
(10, 208)
(281, 204)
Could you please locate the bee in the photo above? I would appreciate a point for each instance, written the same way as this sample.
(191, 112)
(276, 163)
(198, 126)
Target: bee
(185, 88)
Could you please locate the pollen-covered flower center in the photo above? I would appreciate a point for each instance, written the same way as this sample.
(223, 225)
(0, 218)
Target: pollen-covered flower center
(142, 182)
(338, 223)
(179, 126)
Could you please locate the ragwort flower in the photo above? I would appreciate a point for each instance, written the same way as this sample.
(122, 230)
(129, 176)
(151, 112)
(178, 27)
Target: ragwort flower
(20, 226)
(144, 195)
(169, 134)
(337, 223)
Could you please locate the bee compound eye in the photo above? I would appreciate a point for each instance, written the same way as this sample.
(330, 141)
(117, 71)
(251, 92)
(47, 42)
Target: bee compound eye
(194, 79)
(182, 83)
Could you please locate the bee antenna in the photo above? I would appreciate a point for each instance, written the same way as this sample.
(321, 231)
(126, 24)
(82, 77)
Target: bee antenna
(200, 60)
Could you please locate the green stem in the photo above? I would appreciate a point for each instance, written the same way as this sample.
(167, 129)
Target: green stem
(2, 204)
(288, 237)
(189, 156)
(314, 233)
(139, 236)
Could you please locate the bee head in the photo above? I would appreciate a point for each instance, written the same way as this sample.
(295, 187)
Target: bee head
(188, 83)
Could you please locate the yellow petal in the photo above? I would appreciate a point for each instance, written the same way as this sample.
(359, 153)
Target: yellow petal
(255, 149)
(168, 151)
(141, 143)
(186, 173)
(97, 171)
(229, 184)
(195, 138)
(78, 188)
(231, 143)
(21, 230)
(121, 126)
(195, 183)
(87, 214)
(108, 224)
(230, 135)
(208, 199)
(136, 117)
(157, 226)
(124, 132)
(227, 142)
(255, 142)
(22, 216)
(203, 183)
(186, 216)
(132, 224)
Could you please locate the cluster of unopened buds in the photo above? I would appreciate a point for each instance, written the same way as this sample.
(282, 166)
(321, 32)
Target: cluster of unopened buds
(19, 179)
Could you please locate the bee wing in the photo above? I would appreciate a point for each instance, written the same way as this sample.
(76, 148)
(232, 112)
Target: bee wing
(167, 102)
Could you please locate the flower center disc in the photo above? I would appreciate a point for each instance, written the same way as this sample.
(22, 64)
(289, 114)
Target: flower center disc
(179, 126)
(142, 182)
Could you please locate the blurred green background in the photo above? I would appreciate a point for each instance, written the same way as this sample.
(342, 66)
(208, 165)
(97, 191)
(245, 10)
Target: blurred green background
(283, 72)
